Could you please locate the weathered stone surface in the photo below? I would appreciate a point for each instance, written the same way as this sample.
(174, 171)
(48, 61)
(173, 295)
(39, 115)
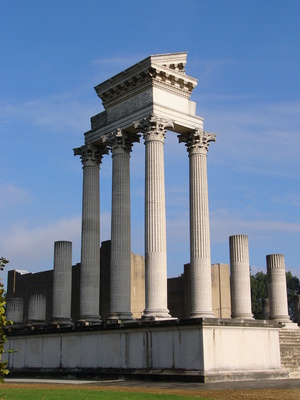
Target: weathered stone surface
(153, 130)
(200, 265)
(120, 264)
(240, 277)
(209, 350)
(91, 157)
(37, 309)
(62, 283)
(15, 310)
(277, 288)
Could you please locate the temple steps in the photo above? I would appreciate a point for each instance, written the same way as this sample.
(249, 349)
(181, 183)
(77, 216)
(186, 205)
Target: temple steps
(289, 340)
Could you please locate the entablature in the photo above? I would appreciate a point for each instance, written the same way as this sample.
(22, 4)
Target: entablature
(156, 85)
(165, 70)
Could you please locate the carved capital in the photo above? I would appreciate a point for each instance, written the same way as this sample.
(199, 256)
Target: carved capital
(90, 154)
(153, 128)
(197, 141)
(120, 141)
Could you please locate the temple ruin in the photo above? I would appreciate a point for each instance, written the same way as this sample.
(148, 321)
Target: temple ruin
(196, 327)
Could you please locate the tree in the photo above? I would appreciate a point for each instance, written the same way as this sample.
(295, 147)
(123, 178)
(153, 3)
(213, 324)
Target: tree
(293, 288)
(259, 292)
(3, 323)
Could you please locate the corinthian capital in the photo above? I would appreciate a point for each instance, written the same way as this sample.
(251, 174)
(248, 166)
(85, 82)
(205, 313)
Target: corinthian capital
(90, 154)
(153, 127)
(197, 140)
(120, 140)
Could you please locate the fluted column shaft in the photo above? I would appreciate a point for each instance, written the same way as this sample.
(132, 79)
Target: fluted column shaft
(120, 266)
(37, 308)
(240, 286)
(91, 157)
(62, 283)
(200, 263)
(153, 130)
(277, 291)
(15, 310)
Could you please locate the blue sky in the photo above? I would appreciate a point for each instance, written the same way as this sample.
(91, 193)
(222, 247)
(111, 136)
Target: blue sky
(246, 57)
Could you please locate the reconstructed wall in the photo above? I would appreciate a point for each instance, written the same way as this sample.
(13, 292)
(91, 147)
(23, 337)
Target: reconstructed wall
(178, 292)
(137, 285)
(220, 281)
(21, 286)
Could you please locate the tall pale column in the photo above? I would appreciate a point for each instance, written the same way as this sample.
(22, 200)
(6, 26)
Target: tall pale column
(277, 291)
(91, 157)
(240, 286)
(197, 143)
(154, 130)
(62, 283)
(120, 266)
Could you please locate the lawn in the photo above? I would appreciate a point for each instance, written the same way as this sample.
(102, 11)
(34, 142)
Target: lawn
(81, 394)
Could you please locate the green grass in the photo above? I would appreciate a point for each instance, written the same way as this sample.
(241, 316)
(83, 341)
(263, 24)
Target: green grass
(81, 394)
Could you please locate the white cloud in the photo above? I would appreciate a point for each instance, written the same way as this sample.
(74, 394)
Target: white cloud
(12, 196)
(259, 138)
(287, 200)
(27, 247)
(209, 70)
(224, 224)
(55, 113)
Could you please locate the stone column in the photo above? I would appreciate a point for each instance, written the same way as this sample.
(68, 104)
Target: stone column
(120, 265)
(154, 130)
(197, 143)
(37, 309)
(91, 157)
(277, 291)
(240, 286)
(62, 283)
(15, 311)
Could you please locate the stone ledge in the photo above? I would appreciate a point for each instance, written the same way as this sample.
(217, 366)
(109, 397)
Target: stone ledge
(141, 324)
(145, 374)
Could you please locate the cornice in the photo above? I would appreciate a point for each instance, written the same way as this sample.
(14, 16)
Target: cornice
(164, 71)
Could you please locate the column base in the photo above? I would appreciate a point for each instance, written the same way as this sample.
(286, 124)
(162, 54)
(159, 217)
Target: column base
(34, 324)
(242, 316)
(86, 320)
(202, 314)
(156, 314)
(290, 325)
(118, 318)
(280, 318)
(61, 322)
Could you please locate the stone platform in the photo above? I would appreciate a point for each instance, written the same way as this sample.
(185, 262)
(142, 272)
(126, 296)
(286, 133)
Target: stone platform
(202, 350)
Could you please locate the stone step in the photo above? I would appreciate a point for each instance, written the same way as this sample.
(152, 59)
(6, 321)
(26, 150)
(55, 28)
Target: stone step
(289, 349)
(289, 341)
(289, 357)
(290, 363)
(293, 338)
(294, 342)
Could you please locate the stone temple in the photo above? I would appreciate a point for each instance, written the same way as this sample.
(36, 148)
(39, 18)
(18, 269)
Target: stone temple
(150, 326)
